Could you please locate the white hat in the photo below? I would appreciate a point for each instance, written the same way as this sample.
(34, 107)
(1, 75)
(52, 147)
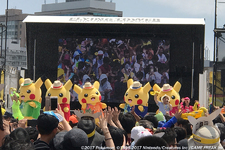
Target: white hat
(27, 82)
(206, 136)
(100, 52)
(136, 85)
(142, 134)
(57, 85)
(136, 130)
(166, 88)
(88, 85)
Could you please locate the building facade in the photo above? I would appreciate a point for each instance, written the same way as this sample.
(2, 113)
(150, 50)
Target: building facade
(81, 8)
(15, 26)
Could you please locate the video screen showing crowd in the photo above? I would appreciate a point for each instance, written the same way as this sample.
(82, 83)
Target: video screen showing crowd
(112, 61)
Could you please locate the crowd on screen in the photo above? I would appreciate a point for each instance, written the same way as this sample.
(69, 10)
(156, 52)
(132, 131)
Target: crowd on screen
(112, 62)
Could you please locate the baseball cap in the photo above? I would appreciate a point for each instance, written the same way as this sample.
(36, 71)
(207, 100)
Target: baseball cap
(47, 122)
(136, 130)
(74, 139)
(100, 52)
(73, 119)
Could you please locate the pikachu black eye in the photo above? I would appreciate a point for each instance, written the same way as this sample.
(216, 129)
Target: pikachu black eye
(61, 94)
(173, 97)
(85, 95)
(49, 94)
(136, 96)
(96, 93)
(126, 94)
(28, 91)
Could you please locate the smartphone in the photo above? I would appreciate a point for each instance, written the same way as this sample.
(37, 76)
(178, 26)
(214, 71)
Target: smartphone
(54, 102)
(32, 123)
(47, 103)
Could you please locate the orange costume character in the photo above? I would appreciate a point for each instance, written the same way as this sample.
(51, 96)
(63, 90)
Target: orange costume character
(90, 97)
(62, 92)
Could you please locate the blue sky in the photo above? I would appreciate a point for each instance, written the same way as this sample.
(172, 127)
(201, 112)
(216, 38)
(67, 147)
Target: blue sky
(149, 8)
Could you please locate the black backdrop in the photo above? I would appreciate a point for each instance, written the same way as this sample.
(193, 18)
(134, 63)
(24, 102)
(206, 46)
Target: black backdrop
(181, 39)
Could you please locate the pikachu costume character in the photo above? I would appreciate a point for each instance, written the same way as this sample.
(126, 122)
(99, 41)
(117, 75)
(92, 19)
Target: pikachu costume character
(30, 97)
(171, 92)
(57, 89)
(136, 96)
(90, 97)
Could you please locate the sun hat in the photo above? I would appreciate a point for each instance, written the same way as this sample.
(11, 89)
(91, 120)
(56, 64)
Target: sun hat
(136, 85)
(57, 85)
(88, 85)
(166, 88)
(27, 82)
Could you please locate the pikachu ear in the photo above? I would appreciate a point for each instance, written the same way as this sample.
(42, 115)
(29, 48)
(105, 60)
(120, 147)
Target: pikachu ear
(96, 84)
(48, 84)
(77, 89)
(129, 83)
(147, 88)
(156, 88)
(21, 81)
(38, 83)
(177, 86)
(68, 85)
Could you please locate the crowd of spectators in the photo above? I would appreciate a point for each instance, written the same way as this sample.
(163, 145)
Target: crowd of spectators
(110, 129)
(112, 62)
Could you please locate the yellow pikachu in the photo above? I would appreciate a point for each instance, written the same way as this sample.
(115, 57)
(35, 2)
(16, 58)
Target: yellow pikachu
(57, 89)
(171, 92)
(90, 97)
(136, 96)
(30, 95)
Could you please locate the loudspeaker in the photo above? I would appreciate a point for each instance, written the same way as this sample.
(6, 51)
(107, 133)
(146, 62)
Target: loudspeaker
(223, 78)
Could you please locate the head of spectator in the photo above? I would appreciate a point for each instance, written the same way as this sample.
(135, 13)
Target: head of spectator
(127, 121)
(106, 61)
(147, 125)
(86, 78)
(75, 139)
(160, 49)
(138, 132)
(152, 119)
(87, 124)
(33, 133)
(47, 127)
(221, 127)
(181, 133)
(152, 141)
(185, 124)
(17, 140)
(206, 136)
(100, 54)
(169, 136)
(117, 136)
(57, 142)
(76, 55)
(73, 121)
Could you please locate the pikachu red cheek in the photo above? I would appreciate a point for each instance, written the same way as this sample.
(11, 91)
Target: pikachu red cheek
(32, 96)
(64, 100)
(139, 102)
(100, 97)
(84, 100)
